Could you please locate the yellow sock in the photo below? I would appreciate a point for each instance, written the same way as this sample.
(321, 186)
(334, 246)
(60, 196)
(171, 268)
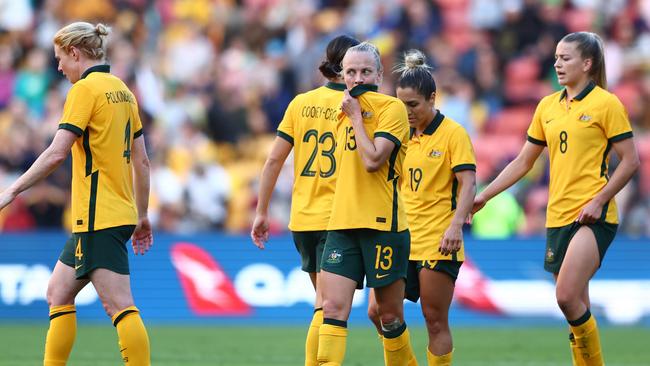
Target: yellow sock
(311, 344)
(60, 336)
(397, 347)
(133, 338)
(434, 360)
(331, 342)
(587, 340)
(412, 360)
(575, 351)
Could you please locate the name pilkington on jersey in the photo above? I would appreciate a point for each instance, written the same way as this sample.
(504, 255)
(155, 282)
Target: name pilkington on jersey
(311, 111)
(120, 96)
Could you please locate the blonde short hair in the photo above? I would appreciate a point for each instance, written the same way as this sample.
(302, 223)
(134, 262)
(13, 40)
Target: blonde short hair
(89, 39)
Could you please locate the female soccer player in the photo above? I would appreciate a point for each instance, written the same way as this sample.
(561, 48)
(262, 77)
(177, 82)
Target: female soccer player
(580, 125)
(438, 192)
(309, 128)
(367, 232)
(101, 125)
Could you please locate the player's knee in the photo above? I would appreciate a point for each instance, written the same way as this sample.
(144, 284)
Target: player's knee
(389, 324)
(566, 300)
(333, 309)
(373, 315)
(56, 296)
(435, 321)
(114, 306)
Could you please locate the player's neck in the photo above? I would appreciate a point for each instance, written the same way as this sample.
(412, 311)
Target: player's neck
(575, 89)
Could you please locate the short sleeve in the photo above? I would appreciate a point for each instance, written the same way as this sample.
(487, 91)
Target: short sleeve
(393, 123)
(461, 151)
(286, 128)
(78, 109)
(616, 123)
(137, 122)
(535, 130)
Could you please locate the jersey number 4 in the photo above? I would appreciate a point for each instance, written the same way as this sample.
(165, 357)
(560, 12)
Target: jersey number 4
(324, 139)
(127, 142)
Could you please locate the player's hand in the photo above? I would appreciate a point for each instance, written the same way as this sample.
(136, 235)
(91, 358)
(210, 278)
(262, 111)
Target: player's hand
(590, 213)
(451, 240)
(479, 203)
(350, 105)
(6, 197)
(260, 231)
(142, 239)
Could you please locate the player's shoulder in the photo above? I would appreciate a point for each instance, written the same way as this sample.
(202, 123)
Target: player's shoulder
(606, 97)
(385, 102)
(82, 86)
(305, 97)
(453, 128)
(553, 97)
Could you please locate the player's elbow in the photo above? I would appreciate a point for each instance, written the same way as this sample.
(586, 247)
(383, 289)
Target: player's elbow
(634, 163)
(57, 158)
(372, 166)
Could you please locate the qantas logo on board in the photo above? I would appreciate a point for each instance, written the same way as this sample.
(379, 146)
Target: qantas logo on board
(207, 288)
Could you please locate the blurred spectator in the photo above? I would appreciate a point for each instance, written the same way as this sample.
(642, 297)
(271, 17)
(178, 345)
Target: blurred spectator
(208, 192)
(32, 82)
(501, 218)
(214, 77)
(7, 75)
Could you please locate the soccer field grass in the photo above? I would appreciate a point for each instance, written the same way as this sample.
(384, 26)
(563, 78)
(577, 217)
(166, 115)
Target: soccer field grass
(244, 346)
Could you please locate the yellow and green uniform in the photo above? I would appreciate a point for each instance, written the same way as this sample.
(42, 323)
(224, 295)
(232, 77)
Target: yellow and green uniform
(309, 124)
(367, 233)
(103, 112)
(579, 134)
(430, 188)
(363, 199)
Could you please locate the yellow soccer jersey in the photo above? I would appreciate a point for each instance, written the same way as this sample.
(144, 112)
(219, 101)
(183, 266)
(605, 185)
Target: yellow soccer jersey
(430, 188)
(309, 124)
(103, 112)
(363, 199)
(579, 134)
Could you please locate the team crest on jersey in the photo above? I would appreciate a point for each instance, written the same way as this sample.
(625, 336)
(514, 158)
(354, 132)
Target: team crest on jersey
(550, 256)
(334, 257)
(366, 114)
(435, 153)
(585, 117)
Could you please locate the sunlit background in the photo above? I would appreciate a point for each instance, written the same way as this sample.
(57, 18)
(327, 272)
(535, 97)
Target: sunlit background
(213, 78)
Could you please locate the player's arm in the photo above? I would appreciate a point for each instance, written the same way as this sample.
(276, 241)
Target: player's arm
(46, 163)
(453, 237)
(510, 175)
(142, 238)
(374, 153)
(270, 172)
(629, 163)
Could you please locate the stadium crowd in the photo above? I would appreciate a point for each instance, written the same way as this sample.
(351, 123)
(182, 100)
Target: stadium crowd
(213, 78)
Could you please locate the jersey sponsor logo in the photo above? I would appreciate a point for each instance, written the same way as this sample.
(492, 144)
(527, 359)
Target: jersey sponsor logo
(381, 220)
(334, 257)
(77, 267)
(380, 276)
(207, 288)
(585, 118)
(548, 121)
